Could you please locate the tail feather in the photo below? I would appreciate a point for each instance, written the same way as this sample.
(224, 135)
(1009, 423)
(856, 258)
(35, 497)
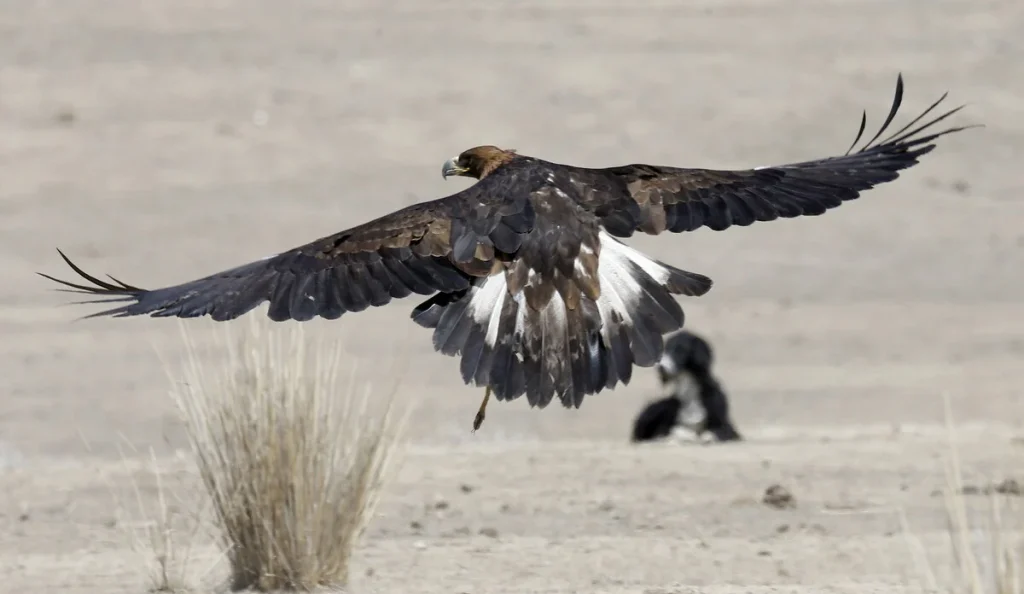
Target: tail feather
(590, 366)
(535, 394)
(447, 314)
(550, 357)
(558, 350)
(472, 354)
(620, 360)
(639, 290)
(682, 282)
(506, 370)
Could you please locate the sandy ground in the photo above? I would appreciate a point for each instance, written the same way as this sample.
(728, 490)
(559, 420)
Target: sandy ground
(165, 142)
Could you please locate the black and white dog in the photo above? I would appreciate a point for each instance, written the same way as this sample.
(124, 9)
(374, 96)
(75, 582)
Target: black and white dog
(696, 400)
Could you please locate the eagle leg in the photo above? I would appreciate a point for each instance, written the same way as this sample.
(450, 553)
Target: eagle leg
(480, 413)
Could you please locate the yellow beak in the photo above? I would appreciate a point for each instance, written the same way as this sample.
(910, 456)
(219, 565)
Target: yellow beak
(451, 167)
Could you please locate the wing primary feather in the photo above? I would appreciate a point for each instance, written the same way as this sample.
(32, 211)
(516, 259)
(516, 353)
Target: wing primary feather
(933, 136)
(100, 284)
(123, 285)
(77, 288)
(860, 132)
(408, 276)
(280, 298)
(355, 291)
(331, 306)
(896, 102)
(899, 133)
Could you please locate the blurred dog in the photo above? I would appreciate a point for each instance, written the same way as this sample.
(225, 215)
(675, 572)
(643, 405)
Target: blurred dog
(696, 400)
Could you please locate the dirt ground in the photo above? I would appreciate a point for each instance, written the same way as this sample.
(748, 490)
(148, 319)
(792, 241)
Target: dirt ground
(162, 140)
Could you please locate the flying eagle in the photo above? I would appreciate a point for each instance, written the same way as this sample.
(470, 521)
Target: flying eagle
(527, 279)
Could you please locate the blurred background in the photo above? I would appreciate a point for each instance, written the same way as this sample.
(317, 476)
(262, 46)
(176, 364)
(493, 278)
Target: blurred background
(161, 141)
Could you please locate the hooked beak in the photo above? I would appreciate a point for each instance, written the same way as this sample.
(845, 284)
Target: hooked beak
(451, 167)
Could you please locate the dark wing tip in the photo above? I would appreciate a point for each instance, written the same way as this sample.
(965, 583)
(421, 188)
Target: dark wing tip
(906, 137)
(860, 131)
(108, 293)
(98, 286)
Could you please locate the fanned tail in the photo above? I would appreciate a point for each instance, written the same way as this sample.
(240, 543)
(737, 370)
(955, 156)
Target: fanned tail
(558, 350)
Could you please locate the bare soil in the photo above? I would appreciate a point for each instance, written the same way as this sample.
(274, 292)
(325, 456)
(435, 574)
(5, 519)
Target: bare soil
(163, 140)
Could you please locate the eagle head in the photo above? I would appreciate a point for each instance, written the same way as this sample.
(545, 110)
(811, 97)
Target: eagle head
(477, 162)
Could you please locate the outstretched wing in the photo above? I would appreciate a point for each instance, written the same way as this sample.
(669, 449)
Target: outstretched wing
(654, 199)
(424, 248)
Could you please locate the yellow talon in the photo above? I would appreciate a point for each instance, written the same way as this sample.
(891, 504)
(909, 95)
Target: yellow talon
(480, 413)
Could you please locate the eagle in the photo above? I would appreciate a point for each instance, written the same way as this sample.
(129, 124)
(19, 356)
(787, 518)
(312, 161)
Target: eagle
(525, 274)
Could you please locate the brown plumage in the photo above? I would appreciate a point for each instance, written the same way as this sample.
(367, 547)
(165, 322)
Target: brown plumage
(527, 281)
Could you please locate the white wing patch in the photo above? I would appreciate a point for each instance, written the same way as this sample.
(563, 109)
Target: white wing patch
(621, 292)
(621, 253)
(485, 306)
(488, 302)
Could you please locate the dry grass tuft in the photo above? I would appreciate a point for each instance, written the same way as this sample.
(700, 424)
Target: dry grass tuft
(165, 530)
(293, 460)
(988, 559)
(998, 571)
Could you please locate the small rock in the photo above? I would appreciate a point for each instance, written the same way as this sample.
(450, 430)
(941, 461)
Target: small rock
(606, 506)
(466, 488)
(489, 532)
(782, 528)
(441, 504)
(370, 572)
(65, 117)
(817, 529)
(415, 525)
(1009, 487)
(778, 497)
